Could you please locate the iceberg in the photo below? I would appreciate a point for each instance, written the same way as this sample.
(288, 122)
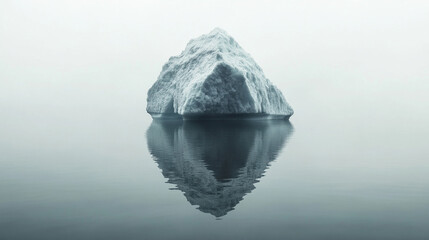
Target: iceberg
(215, 78)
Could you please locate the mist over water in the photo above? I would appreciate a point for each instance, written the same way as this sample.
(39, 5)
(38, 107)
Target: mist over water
(81, 159)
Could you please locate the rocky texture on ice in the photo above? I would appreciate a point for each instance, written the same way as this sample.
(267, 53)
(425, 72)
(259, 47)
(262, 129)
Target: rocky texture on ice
(212, 77)
(215, 164)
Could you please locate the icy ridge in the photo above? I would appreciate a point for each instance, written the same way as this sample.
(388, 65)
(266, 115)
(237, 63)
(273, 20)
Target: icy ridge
(214, 75)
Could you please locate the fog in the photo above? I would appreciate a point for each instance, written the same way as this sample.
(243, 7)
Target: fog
(355, 61)
(372, 52)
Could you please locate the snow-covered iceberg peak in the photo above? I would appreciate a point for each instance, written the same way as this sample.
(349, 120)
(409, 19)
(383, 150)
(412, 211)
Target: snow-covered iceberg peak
(215, 77)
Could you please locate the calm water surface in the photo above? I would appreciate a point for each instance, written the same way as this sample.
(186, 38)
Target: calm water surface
(106, 171)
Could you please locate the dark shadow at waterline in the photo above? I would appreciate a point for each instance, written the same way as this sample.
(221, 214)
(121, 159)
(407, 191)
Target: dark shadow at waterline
(216, 163)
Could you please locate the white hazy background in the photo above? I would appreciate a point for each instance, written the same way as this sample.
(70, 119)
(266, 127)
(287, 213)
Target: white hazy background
(324, 55)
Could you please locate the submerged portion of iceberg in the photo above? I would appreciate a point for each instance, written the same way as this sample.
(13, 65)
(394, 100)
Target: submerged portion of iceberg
(215, 77)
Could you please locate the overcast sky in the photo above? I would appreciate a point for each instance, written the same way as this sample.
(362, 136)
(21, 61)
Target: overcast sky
(73, 52)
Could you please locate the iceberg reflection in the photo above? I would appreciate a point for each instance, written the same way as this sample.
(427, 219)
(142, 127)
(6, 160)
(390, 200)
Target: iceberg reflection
(216, 163)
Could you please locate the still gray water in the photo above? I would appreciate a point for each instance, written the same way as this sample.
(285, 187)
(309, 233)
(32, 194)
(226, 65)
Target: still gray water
(107, 171)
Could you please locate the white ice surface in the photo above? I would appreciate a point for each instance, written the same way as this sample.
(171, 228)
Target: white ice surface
(214, 76)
